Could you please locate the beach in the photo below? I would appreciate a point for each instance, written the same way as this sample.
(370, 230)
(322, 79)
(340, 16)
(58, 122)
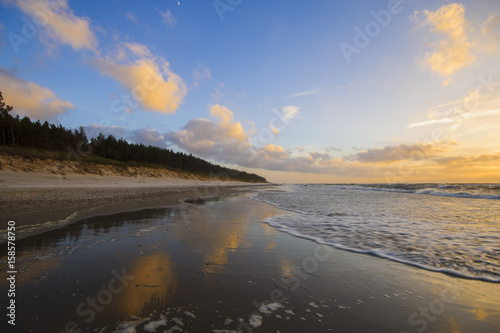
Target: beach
(213, 265)
(236, 166)
(42, 201)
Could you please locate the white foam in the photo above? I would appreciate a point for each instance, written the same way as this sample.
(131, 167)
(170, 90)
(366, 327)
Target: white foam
(178, 321)
(129, 326)
(255, 320)
(152, 326)
(445, 236)
(189, 314)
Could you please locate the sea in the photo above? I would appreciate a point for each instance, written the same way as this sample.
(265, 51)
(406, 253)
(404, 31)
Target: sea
(448, 228)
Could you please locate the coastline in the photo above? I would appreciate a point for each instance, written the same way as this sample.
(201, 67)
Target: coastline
(39, 202)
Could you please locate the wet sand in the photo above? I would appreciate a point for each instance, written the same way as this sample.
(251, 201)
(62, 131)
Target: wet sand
(40, 202)
(216, 267)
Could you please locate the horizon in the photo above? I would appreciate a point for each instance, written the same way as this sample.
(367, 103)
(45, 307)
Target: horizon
(391, 92)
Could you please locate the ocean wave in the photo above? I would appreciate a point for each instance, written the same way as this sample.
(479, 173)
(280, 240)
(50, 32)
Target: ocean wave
(470, 191)
(469, 195)
(447, 235)
(29, 230)
(316, 231)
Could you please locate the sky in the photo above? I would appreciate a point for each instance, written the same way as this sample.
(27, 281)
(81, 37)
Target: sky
(392, 91)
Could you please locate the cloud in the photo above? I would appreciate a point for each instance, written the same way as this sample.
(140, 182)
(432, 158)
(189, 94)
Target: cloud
(94, 130)
(318, 91)
(274, 151)
(491, 27)
(413, 152)
(481, 102)
(138, 50)
(333, 149)
(320, 156)
(460, 117)
(131, 17)
(290, 112)
(200, 73)
(148, 78)
(59, 22)
(218, 94)
(463, 161)
(431, 122)
(167, 17)
(274, 129)
(146, 136)
(310, 92)
(453, 52)
(30, 99)
(224, 140)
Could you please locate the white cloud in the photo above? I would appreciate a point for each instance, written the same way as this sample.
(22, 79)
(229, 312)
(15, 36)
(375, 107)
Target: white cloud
(131, 17)
(290, 112)
(431, 122)
(318, 91)
(59, 22)
(167, 17)
(30, 99)
(148, 78)
(200, 73)
(481, 102)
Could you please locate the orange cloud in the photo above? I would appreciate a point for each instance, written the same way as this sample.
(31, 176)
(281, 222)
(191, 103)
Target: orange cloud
(453, 52)
(462, 161)
(491, 28)
(274, 151)
(231, 130)
(30, 99)
(414, 152)
(60, 23)
(148, 78)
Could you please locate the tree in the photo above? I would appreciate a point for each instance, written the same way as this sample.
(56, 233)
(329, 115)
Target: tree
(6, 119)
(24, 132)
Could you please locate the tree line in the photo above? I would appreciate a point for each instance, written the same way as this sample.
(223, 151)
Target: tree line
(23, 132)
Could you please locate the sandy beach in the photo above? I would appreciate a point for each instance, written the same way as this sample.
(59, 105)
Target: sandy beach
(33, 199)
(214, 266)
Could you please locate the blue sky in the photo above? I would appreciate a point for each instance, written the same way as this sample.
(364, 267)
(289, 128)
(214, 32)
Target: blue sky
(323, 91)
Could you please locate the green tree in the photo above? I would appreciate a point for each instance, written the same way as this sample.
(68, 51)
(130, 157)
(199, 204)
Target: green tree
(6, 121)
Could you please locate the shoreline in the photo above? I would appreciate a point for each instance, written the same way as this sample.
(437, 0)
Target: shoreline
(41, 202)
